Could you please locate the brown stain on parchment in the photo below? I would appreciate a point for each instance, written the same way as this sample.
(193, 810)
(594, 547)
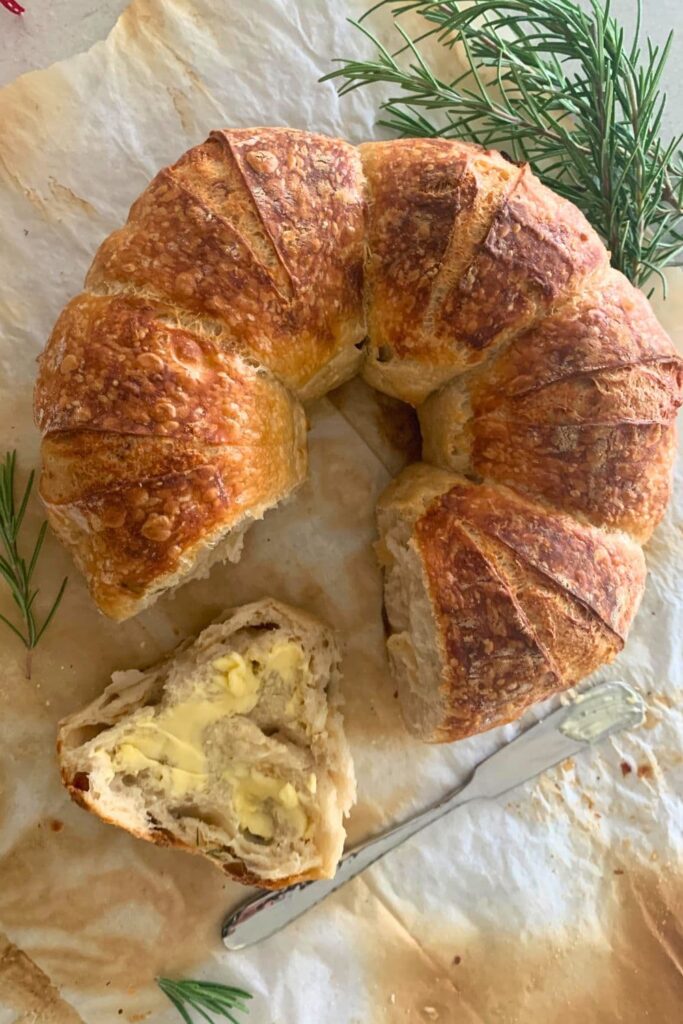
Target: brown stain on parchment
(402, 981)
(632, 975)
(139, 26)
(46, 205)
(183, 108)
(346, 491)
(665, 699)
(4, 789)
(83, 885)
(67, 196)
(28, 991)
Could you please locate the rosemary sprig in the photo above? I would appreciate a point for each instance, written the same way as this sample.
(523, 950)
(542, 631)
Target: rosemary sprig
(560, 88)
(15, 570)
(206, 998)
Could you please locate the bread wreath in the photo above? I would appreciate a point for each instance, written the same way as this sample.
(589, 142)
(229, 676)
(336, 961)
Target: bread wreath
(269, 265)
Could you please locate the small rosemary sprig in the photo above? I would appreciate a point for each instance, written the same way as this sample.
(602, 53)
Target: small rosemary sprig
(206, 997)
(15, 570)
(559, 87)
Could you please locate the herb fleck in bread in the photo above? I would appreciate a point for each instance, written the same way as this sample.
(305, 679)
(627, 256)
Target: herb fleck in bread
(233, 747)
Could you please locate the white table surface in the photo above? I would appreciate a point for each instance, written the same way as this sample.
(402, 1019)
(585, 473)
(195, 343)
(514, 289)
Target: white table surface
(51, 30)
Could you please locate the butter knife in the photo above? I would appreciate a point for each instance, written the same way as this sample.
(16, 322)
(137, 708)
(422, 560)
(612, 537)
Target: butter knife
(590, 718)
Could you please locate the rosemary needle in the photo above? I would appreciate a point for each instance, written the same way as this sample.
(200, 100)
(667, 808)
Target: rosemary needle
(558, 85)
(14, 569)
(209, 999)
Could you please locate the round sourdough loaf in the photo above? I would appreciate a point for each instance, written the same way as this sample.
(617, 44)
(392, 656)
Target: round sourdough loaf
(266, 267)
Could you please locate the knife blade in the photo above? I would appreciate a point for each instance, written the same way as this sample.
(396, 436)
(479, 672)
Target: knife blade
(590, 718)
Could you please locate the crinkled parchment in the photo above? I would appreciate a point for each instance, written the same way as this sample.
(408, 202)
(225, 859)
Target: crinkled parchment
(561, 903)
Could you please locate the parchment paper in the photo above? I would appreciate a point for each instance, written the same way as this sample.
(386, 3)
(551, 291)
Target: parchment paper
(560, 904)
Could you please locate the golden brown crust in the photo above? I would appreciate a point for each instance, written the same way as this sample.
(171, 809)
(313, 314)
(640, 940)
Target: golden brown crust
(538, 249)
(138, 512)
(80, 463)
(430, 202)
(234, 287)
(260, 233)
(526, 601)
(607, 325)
(579, 411)
(616, 475)
(602, 571)
(493, 666)
(466, 250)
(121, 364)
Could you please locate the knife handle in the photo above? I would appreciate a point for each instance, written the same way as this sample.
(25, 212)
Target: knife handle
(593, 716)
(249, 924)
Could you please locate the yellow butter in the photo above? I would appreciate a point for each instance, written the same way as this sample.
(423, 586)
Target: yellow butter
(258, 799)
(174, 741)
(237, 683)
(288, 796)
(177, 781)
(286, 659)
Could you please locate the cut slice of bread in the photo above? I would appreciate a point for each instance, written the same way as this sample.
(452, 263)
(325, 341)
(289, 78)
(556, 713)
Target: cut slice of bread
(232, 747)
